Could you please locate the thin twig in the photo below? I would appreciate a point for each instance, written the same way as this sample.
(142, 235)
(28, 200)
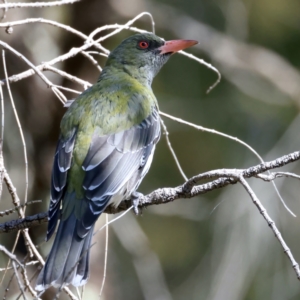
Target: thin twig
(198, 127)
(14, 260)
(105, 257)
(28, 242)
(2, 120)
(53, 23)
(4, 11)
(19, 281)
(82, 291)
(271, 224)
(19, 127)
(16, 201)
(11, 188)
(36, 4)
(12, 210)
(1, 141)
(166, 133)
(114, 220)
(74, 51)
(31, 263)
(75, 79)
(274, 175)
(92, 60)
(203, 62)
(145, 261)
(78, 293)
(9, 260)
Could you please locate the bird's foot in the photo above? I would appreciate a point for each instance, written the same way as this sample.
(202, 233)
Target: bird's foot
(135, 199)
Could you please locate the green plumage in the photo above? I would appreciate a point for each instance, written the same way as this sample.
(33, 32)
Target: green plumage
(115, 103)
(106, 145)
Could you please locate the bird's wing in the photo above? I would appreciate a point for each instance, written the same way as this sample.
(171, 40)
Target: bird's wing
(111, 162)
(61, 165)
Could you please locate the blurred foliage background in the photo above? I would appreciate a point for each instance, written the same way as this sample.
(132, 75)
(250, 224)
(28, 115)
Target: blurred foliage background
(213, 247)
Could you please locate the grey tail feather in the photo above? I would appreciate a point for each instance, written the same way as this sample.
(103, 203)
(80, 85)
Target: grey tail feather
(68, 261)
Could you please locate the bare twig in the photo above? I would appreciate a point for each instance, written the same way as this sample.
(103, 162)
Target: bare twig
(31, 263)
(271, 224)
(44, 21)
(4, 11)
(213, 131)
(1, 141)
(209, 66)
(105, 257)
(16, 201)
(83, 83)
(274, 175)
(14, 260)
(19, 127)
(28, 242)
(36, 70)
(12, 210)
(73, 52)
(12, 251)
(36, 4)
(166, 133)
(19, 281)
(145, 261)
(92, 60)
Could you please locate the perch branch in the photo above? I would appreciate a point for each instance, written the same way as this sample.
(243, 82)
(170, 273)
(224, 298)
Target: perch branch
(189, 189)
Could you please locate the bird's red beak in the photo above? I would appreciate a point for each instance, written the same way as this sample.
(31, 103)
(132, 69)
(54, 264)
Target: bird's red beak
(176, 45)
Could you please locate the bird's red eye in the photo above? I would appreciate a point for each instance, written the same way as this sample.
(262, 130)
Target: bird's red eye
(143, 45)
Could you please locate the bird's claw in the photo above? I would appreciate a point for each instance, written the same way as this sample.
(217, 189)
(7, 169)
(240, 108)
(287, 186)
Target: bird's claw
(135, 199)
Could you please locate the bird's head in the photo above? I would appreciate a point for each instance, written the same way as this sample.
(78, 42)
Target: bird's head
(143, 55)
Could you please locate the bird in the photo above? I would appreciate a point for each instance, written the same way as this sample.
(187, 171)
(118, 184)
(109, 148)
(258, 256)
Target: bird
(105, 148)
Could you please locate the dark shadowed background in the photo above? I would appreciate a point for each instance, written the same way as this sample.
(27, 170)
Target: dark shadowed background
(186, 249)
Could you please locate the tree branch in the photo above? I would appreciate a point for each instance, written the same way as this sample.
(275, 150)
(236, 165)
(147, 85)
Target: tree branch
(165, 195)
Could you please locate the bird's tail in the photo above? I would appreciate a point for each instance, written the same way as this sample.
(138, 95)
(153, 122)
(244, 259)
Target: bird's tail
(68, 261)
